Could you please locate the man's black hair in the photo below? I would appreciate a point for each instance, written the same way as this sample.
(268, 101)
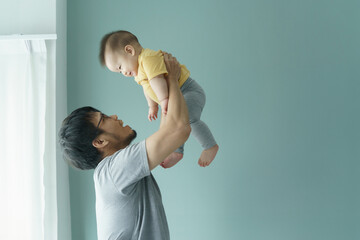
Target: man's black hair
(75, 137)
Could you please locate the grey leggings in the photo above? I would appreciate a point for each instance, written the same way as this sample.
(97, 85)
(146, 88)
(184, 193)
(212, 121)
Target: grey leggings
(195, 99)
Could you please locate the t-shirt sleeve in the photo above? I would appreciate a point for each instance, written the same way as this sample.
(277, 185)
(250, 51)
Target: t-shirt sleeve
(154, 66)
(129, 166)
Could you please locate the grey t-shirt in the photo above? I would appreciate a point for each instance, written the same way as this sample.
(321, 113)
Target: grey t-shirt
(128, 199)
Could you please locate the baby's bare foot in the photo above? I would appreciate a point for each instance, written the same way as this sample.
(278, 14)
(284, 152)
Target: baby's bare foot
(208, 155)
(171, 160)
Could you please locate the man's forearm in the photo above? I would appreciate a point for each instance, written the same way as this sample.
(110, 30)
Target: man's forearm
(177, 108)
(174, 127)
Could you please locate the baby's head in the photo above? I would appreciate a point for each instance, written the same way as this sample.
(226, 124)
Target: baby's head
(119, 52)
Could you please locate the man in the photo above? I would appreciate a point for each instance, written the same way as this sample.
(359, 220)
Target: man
(128, 199)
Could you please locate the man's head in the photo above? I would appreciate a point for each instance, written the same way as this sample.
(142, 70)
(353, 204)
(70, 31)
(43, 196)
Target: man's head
(119, 52)
(87, 136)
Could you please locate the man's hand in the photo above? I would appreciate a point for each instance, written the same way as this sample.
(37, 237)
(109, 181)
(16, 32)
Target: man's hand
(153, 110)
(172, 66)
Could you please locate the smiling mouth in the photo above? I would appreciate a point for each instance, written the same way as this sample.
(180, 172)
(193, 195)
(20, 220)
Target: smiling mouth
(124, 126)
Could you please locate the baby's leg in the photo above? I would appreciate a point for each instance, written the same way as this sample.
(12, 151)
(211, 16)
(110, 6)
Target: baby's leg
(195, 99)
(172, 159)
(204, 136)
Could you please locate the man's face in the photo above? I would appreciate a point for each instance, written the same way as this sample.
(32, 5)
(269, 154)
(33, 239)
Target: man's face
(122, 62)
(114, 129)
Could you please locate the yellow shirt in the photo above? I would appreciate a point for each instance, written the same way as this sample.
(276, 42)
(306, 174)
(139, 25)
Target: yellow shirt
(151, 64)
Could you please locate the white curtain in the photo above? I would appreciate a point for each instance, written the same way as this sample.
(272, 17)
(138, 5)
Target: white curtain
(27, 141)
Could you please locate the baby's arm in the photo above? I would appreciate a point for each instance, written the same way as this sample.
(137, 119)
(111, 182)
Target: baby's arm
(160, 87)
(153, 107)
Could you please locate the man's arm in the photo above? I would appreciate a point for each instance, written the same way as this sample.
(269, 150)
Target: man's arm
(175, 126)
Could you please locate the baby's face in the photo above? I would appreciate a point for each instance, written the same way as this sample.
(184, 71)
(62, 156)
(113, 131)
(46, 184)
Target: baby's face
(122, 62)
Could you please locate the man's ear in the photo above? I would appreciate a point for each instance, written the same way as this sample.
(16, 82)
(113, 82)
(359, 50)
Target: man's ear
(130, 49)
(100, 143)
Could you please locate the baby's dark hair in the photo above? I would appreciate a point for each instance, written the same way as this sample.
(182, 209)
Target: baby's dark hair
(116, 40)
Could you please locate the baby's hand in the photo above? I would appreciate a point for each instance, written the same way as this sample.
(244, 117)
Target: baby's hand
(153, 110)
(164, 105)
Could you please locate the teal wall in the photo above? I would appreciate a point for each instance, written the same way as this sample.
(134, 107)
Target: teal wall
(282, 84)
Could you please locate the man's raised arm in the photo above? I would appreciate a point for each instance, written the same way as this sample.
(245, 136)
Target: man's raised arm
(174, 127)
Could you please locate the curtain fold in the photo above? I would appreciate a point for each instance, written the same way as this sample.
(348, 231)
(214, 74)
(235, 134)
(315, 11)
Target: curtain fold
(24, 131)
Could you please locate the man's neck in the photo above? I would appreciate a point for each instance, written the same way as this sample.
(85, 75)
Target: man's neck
(110, 151)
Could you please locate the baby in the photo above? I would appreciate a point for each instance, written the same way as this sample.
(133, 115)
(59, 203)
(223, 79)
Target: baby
(121, 52)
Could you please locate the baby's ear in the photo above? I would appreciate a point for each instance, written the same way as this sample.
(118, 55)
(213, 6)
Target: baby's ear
(129, 49)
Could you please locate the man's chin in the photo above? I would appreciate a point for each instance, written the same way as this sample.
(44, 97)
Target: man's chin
(134, 134)
(131, 137)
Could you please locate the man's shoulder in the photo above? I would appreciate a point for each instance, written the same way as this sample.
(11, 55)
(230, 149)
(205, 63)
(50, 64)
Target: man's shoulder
(123, 168)
(121, 153)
